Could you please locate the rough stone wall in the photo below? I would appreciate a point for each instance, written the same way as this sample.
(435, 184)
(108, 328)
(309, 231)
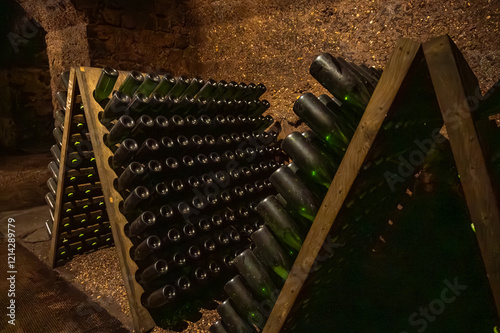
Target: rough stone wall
(126, 35)
(146, 36)
(25, 104)
(274, 42)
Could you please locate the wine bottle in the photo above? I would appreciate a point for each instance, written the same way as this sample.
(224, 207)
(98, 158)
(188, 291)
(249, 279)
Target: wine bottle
(115, 108)
(153, 173)
(354, 70)
(56, 153)
(64, 78)
(54, 170)
(105, 84)
(207, 90)
(145, 248)
(311, 161)
(339, 81)
(132, 174)
(300, 200)
(269, 252)
(143, 222)
(149, 84)
(255, 275)
(133, 80)
(166, 84)
(51, 201)
(124, 153)
(218, 327)
(148, 149)
(244, 303)
(52, 185)
(59, 119)
(137, 105)
(61, 97)
(350, 119)
(331, 155)
(194, 87)
(153, 272)
(232, 319)
(120, 130)
(322, 122)
(160, 297)
(181, 84)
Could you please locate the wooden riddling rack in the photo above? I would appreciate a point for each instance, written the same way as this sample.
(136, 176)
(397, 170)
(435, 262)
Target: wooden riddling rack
(78, 222)
(82, 82)
(426, 85)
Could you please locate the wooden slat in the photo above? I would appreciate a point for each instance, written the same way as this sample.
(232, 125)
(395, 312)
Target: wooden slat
(62, 167)
(374, 115)
(453, 83)
(87, 79)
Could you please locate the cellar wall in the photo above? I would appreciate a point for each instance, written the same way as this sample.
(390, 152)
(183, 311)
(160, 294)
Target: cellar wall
(275, 41)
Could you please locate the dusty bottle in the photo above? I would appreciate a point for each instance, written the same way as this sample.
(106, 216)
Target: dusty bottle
(255, 276)
(309, 159)
(244, 302)
(270, 253)
(115, 108)
(339, 81)
(232, 319)
(322, 121)
(299, 199)
(160, 297)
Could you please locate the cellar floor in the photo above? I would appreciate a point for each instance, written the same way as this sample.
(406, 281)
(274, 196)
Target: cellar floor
(44, 301)
(87, 292)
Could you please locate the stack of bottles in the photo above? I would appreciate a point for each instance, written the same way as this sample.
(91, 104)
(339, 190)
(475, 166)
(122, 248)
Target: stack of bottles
(192, 160)
(301, 186)
(84, 223)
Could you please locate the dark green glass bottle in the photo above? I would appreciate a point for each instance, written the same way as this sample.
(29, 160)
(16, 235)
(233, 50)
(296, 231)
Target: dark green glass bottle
(64, 77)
(218, 327)
(270, 253)
(300, 201)
(339, 81)
(149, 84)
(133, 80)
(282, 225)
(165, 85)
(311, 161)
(105, 84)
(115, 108)
(322, 121)
(232, 319)
(244, 302)
(255, 275)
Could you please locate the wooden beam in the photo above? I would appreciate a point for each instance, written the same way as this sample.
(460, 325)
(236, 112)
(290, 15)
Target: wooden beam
(455, 85)
(68, 116)
(87, 79)
(373, 117)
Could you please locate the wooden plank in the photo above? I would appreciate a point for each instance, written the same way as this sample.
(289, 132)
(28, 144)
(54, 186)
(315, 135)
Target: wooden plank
(373, 117)
(62, 167)
(87, 79)
(454, 84)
